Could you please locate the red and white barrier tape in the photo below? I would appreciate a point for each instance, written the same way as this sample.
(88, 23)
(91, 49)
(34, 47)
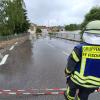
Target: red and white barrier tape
(53, 91)
(30, 93)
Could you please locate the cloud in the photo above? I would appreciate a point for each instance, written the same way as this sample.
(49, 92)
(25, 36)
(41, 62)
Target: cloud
(58, 12)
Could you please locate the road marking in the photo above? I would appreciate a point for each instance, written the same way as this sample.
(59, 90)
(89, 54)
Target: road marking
(4, 59)
(65, 53)
(12, 47)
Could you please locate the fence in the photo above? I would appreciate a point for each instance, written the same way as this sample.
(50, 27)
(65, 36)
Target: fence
(9, 37)
(69, 35)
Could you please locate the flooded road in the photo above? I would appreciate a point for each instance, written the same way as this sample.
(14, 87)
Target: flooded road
(36, 64)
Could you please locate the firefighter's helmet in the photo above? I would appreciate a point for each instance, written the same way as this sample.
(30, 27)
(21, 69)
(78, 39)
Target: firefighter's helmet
(92, 33)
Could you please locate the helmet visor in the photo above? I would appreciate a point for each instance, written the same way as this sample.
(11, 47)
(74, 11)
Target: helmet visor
(91, 38)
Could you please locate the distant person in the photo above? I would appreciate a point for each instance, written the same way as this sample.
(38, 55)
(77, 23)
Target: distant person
(83, 65)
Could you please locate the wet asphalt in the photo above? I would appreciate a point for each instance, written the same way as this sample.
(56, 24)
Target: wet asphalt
(37, 63)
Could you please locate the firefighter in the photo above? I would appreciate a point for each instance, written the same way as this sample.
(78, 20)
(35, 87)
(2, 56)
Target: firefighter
(83, 64)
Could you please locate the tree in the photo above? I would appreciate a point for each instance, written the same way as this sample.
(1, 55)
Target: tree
(38, 30)
(13, 18)
(3, 18)
(72, 27)
(94, 14)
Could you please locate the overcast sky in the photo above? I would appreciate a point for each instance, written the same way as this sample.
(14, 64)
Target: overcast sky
(58, 12)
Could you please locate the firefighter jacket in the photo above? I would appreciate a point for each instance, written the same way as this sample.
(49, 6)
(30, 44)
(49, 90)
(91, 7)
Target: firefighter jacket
(84, 65)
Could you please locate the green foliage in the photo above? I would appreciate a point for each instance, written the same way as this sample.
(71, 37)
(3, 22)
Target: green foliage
(38, 30)
(50, 33)
(13, 17)
(94, 14)
(72, 27)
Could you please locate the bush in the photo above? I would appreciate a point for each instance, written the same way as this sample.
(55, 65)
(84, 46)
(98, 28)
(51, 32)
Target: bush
(72, 27)
(38, 30)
